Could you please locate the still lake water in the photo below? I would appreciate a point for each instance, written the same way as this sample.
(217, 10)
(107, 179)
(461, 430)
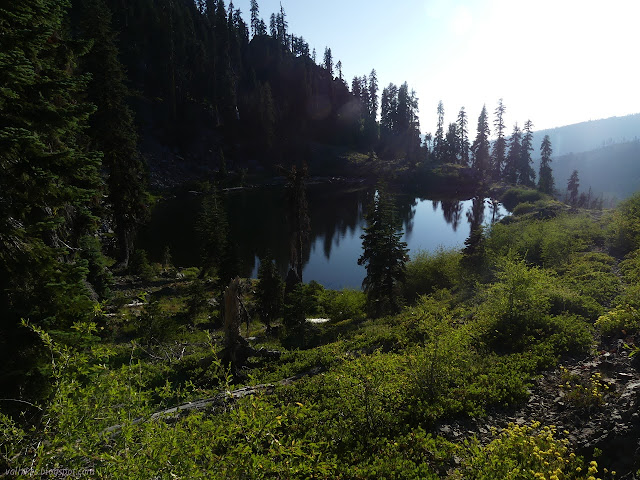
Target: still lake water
(258, 224)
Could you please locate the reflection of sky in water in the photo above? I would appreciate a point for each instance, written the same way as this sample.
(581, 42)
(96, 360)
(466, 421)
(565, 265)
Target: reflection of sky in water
(429, 231)
(258, 222)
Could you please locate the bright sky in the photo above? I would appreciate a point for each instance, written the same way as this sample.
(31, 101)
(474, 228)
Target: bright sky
(556, 62)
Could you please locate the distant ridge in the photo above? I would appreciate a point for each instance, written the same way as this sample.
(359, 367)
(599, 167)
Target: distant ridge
(590, 135)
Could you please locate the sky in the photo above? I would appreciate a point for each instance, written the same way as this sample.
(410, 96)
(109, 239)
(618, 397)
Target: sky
(556, 62)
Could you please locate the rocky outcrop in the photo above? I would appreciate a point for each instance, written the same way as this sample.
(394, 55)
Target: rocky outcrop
(609, 422)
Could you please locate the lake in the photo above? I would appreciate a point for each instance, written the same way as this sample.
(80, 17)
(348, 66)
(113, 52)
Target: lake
(258, 223)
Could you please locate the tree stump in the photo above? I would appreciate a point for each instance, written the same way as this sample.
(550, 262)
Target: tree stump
(236, 348)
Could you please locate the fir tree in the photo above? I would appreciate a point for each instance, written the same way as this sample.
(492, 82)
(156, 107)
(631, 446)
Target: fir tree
(112, 127)
(510, 173)
(438, 140)
(545, 178)
(500, 145)
(49, 180)
(255, 18)
(573, 184)
(463, 137)
(526, 175)
(269, 292)
(328, 61)
(451, 144)
(298, 215)
(480, 147)
(384, 254)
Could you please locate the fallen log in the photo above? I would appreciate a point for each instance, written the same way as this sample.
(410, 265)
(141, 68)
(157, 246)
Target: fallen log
(219, 400)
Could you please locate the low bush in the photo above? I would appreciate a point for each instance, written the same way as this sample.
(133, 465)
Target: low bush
(548, 243)
(428, 272)
(343, 304)
(524, 451)
(518, 195)
(624, 227)
(625, 316)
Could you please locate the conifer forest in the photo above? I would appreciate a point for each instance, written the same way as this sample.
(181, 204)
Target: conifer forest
(176, 176)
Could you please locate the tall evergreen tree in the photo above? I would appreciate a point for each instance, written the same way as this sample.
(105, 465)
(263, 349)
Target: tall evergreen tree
(213, 230)
(388, 113)
(438, 140)
(373, 95)
(510, 173)
(255, 18)
(526, 174)
(480, 147)
(49, 181)
(371, 114)
(339, 68)
(463, 137)
(298, 215)
(384, 254)
(269, 292)
(451, 144)
(328, 61)
(573, 184)
(545, 177)
(498, 157)
(112, 127)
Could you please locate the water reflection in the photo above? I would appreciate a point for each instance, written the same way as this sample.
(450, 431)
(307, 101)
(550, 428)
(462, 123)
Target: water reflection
(452, 211)
(258, 225)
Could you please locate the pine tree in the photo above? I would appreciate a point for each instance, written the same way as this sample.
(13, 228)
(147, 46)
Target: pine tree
(298, 216)
(213, 230)
(510, 173)
(480, 147)
(328, 61)
(526, 175)
(451, 144)
(112, 128)
(49, 180)
(388, 113)
(384, 254)
(545, 178)
(371, 112)
(463, 137)
(255, 19)
(269, 292)
(439, 141)
(498, 158)
(573, 184)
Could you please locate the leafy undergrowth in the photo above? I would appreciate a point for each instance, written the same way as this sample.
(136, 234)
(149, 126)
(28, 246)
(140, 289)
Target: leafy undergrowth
(378, 387)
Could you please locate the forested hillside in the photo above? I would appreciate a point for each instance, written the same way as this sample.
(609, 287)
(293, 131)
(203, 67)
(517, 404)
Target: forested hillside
(612, 171)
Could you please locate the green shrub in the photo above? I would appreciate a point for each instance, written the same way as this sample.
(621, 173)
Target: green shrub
(624, 226)
(522, 208)
(591, 275)
(99, 276)
(565, 300)
(516, 313)
(301, 302)
(547, 243)
(343, 304)
(139, 265)
(523, 452)
(153, 324)
(625, 317)
(630, 267)
(190, 273)
(428, 272)
(517, 195)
